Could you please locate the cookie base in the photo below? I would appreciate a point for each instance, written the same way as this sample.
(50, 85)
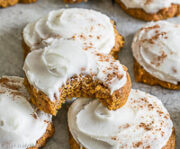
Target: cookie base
(143, 76)
(138, 13)
(80, 86)
(171, 144)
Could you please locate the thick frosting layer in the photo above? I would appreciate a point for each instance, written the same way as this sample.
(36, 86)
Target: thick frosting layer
(92, 28)
(49, 68)
(156, 48)
(149, 6)
(142, 122)
(21, 125)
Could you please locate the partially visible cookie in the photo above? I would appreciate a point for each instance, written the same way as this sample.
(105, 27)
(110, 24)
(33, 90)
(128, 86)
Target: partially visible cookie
(6, 3)
(74, 1)
(149, 10)
(21, 124)
(91, 27)
(157, 55)
(27, 1)
(143, 123)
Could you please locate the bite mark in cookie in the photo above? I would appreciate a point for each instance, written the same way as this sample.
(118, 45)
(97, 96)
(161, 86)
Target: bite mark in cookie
(64, 69)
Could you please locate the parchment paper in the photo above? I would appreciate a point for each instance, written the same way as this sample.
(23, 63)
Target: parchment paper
(12, 21)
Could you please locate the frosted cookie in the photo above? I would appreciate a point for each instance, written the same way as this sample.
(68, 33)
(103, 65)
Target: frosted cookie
(6, 3)
(74, 1)
(92, 28)
(151, 10)
(143, 123)
(21, 124)
(157, 55)
(66, 68)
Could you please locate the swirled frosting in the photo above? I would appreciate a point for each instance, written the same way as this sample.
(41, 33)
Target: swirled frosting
(142, 122)
(156, 48)
(92, 28)
(21, 125)
(49, 68)
(149, 6)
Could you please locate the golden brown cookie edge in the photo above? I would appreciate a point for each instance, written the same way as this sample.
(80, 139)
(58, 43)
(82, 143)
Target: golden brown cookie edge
(6, 3)
(43, 140)
(171, 144)
(141, 75)
(138, 13)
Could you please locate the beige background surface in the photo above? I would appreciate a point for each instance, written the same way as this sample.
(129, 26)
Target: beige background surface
(12, 21)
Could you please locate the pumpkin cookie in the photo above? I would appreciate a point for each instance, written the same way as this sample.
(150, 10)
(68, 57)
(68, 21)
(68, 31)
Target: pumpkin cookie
(92, 28)
(143, 122)
(74, 1)
(21, 124)
(6, 3)
(156, 52)
(151, 10)
(66, 68)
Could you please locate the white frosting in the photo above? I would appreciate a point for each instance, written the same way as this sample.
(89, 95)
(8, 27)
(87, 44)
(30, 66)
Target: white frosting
(149, 6)
(21, 125)
(156, 48)
(49, 68)
(142, 122)
(92, 28)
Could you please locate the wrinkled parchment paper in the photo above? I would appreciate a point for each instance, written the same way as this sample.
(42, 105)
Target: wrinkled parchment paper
(12, 21)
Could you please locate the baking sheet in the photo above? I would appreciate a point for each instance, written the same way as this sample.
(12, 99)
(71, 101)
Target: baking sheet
(12, 21)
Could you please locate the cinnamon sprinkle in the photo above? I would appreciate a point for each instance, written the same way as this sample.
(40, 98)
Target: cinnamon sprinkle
(82, 37)
(114, 138)
(174, 70)
(151, 27)
(148, 2)
(145, 126)
(34, 116)
(138, 144)
(83, 69)
(155, 37)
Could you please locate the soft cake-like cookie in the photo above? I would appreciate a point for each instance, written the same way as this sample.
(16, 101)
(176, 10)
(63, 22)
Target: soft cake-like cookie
(151, 10)
(143, 123)
(157, 55)
(67, 68)
(21, 124)
(92, 28)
